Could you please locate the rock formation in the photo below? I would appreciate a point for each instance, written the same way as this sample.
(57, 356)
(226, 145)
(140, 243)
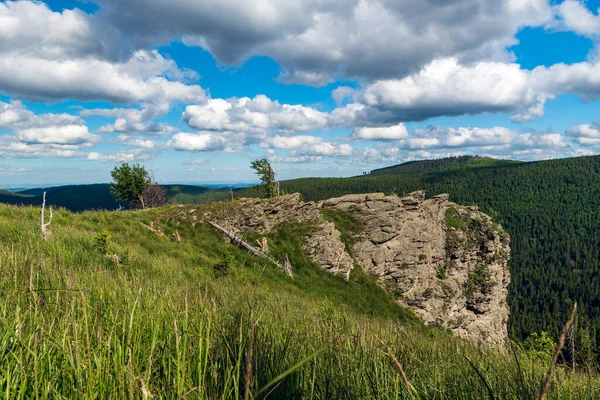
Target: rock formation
(446, 262)
(322, 245)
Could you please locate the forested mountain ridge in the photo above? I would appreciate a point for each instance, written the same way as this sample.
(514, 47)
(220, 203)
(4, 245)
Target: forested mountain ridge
(98, 197)
(550, 208)
(442, 164)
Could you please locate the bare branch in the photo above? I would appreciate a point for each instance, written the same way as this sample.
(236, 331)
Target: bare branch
(44, 226)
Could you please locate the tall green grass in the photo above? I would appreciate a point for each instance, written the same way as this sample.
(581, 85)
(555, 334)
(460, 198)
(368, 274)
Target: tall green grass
(75, 324)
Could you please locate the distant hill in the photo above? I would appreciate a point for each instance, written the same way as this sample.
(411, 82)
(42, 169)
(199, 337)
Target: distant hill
(551, 210)
(98, 197)
(443, 164)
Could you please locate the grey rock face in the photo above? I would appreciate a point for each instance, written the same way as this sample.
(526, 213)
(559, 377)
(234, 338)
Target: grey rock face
(446, 262)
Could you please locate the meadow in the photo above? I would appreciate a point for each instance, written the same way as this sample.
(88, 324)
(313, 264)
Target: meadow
(199, 318)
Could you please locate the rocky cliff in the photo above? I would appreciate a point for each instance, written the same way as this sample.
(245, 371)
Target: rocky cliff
(446, 262)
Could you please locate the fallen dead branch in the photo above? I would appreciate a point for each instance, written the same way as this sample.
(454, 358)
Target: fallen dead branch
(151, 229)
(241, 243)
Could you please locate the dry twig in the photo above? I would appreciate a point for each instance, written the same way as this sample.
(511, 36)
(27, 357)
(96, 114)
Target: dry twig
(559, 346)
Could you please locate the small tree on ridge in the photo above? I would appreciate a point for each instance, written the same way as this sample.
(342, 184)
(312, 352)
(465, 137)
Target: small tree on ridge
(134, 184)
(267, 176)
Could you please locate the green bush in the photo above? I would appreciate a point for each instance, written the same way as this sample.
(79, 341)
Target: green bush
(101, 241)
(541, 344)
(222, 268)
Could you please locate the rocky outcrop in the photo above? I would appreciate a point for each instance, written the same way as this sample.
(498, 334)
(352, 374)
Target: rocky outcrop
(446, 262)
(322, 244)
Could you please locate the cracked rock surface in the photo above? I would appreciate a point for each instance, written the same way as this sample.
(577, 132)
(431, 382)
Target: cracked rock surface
(446, 262)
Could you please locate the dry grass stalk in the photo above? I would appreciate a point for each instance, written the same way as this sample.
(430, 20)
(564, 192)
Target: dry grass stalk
(114, 258)
(411, 389)
(264, 245)
(559, 346)
(249, 360)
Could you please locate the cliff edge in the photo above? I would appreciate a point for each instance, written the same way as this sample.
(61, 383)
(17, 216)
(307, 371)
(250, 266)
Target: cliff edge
(446, 262)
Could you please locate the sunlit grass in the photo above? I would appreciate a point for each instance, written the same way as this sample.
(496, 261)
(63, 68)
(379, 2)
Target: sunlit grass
(75, 324)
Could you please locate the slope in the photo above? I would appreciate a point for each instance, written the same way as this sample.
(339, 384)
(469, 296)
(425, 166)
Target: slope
(199, 318)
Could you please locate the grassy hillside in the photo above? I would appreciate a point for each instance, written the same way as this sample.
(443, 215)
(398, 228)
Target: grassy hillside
(550, 208)
(200, 318)
(98, 197)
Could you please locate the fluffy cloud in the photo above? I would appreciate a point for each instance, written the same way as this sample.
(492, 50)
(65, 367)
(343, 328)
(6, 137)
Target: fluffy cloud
(435, 142)
(257, 115)
(446, 87)
(29, 76)
(394, 132)
(128, 156)
(56, 129)
(139, 142)
(291, 142)
(47, 55)
(308, 146)
(201, 142)
(12, 148)
(68, 134)
(273, 157)
(32, 27)
(315, 41)
(575, 16)
(134, 121)
(585, 134)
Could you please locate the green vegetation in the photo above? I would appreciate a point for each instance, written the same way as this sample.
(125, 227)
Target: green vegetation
(551, 209)
(453, 219)
(129, 183)
(266, 174)
(346, 224)
(478, 281)
(78, 324)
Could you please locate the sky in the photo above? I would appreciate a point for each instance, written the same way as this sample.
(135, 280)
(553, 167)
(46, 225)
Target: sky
(196, 89)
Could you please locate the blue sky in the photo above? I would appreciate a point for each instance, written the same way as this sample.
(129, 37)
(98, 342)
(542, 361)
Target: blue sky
(195, 90)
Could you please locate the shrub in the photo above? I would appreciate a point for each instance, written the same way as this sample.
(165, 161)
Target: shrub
(478, 280)
(222, 268)
(441, 272)
(541, 344)
(101, 241)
